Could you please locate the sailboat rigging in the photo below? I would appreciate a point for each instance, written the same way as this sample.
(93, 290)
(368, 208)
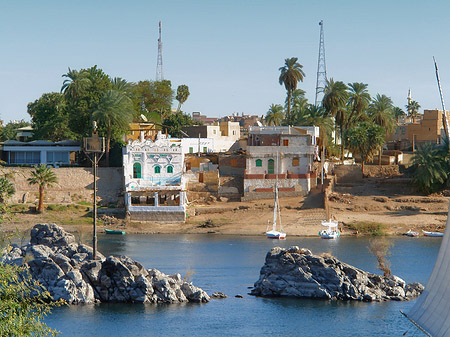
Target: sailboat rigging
(274, 233)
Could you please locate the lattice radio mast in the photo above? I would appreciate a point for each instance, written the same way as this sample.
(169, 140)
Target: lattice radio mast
(321, 68)
(159, 65)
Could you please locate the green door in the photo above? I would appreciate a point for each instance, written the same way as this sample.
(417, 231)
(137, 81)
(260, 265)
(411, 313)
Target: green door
(271, 166)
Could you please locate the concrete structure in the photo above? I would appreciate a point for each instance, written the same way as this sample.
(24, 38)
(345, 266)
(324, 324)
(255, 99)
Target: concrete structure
(286, 152)
(141, 130)
(198, 117)
(40, 152)
(153, 178)
(24, 134)
(225, 135)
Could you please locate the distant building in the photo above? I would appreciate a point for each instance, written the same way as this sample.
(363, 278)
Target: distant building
(40, 152)
(428, 128)
(244, 120)
(24, 134)
(141, 130)
(284, 152)
(225, 135)
(198, 117)
(153, 177)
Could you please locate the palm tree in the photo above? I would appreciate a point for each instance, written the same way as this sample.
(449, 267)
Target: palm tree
(334, 101)
(359, 99)
(75, 84)
(114, 112)
(430, 168)
(398, 112)
(381, 112)
(122, 85)
(275, 115)
(182, 95)
(290, 75)
(7, 189)
(42, 176)
(413, 109)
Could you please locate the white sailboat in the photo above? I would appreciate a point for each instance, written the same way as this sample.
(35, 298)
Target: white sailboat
(331, 232)
(274, 233)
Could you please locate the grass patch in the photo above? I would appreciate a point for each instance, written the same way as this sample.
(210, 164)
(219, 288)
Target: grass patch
(370, 228)
(85, 203)
(19, 208)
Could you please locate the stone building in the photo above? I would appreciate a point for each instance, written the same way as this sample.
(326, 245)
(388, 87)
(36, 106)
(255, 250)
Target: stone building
(225, 135)
(153, 178)
(283, 152)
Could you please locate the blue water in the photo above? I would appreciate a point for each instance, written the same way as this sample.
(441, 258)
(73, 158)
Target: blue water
(231, 264)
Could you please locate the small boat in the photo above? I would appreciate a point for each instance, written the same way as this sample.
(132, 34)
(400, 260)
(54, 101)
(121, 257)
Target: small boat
(433, 234)
(331, 232)
(411, 234)
(274, 233)
(114, 231)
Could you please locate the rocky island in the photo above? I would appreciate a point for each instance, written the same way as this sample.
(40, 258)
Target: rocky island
(68, 272)
(296, 272)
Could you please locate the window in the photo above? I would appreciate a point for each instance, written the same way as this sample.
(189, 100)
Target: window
(157, 169)
(234, 132)
(285, 142)
(169, 169)
(25, 157)
(233, 162)
(403, 131)
(205, 149)
(258, 163)
(191, 150)
(214, 131)
(136, 170)
(58, 157)
(295, 161)
(271, 166)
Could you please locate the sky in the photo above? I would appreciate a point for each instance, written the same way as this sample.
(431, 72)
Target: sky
(227, 52)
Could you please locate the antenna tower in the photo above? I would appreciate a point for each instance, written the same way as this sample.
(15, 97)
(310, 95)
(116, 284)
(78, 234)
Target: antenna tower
(321, 68)
(159, 65)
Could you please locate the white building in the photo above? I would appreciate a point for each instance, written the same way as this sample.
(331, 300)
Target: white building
(225, 135)
(286, 153)
(153, 178)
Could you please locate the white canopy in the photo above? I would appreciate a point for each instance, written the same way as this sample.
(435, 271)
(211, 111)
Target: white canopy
(329, 223)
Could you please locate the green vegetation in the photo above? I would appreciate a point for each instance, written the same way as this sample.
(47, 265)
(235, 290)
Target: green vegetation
(369, 228)
(182, 95)
(290, 74)
(9, 131)
(42, 176)
(379, 247)
(275, 115)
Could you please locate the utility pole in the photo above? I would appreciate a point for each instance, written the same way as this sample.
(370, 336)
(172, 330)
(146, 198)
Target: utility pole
(321, 69)
(159, 65)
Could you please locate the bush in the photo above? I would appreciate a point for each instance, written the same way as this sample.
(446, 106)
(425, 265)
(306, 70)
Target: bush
(380, 249)
(372, 228)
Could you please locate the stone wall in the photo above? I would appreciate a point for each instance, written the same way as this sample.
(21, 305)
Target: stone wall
(348, 174)
(74, 184)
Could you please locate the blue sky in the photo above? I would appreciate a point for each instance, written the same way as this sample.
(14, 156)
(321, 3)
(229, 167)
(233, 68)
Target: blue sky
(227, 52)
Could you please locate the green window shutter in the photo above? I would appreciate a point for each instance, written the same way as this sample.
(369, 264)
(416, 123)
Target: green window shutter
(157, 169)
(169, 169)
(258, 163)
(136, 170)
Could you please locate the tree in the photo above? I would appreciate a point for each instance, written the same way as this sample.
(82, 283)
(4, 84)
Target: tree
(398, 113)
(431, 169)
(42, 176)
(379, 247)
(275, 115)
(290, 75)
(182, 95)
(413, 110)
(23, 303)
(114, 113)
(7, 189)
(83, 90)
(382, 114)
(364, 139)
(334, 101)
(152, 96)
(50, 118)
(9, 131)
(359, 99)
(176, 121)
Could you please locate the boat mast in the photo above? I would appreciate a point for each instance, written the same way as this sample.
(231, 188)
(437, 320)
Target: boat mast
(444, 115)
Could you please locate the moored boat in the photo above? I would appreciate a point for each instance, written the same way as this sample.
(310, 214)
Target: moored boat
(433, 234)
(411, 233)
(114, 231)
(331, 232)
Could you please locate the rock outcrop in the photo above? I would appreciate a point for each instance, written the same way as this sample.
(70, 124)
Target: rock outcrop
(68, 272)
(298, 273)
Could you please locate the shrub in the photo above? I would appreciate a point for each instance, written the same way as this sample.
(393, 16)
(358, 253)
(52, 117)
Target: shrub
(380, 249)
(372, 228)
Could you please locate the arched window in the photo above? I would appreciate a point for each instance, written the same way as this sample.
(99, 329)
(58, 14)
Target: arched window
(271, 166)
(157, 169)
(258, 163)
(169, 169)
(136, 170)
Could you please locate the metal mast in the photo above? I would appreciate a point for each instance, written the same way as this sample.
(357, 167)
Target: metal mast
(159, 65)
(321, 68)
(444, 115)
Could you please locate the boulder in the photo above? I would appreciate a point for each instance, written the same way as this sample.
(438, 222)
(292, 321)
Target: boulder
(68, 272)
(297, 272)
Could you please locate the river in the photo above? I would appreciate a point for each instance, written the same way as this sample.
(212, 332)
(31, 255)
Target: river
(231, 264)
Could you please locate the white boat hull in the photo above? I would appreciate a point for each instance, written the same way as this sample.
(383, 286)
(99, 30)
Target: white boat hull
(325, 234)
(276, 235)
(433, 234)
